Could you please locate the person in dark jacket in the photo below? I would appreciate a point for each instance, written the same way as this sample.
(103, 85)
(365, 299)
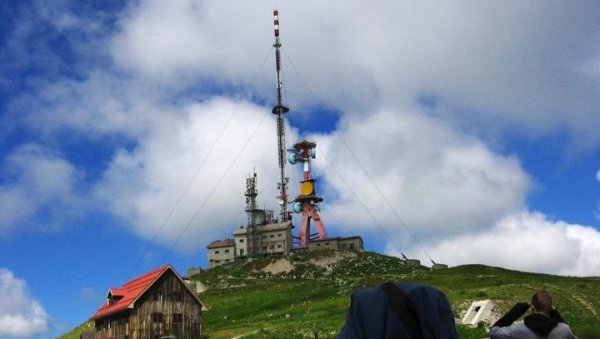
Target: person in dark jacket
(399, 310)
(543, 322)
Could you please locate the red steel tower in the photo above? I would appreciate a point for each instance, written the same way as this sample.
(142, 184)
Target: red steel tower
(307, 200)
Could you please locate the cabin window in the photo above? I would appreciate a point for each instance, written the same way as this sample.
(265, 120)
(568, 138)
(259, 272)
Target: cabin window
(157, 296)
(157, 317)
(177, 318)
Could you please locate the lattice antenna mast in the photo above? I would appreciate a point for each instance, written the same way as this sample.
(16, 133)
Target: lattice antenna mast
(251, 210)
(280, 110)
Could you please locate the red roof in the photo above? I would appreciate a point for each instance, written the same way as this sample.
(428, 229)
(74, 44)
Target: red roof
(124, 297)
(221, 243)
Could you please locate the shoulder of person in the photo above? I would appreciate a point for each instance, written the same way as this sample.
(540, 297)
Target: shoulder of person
(508, 332)
(562, 330)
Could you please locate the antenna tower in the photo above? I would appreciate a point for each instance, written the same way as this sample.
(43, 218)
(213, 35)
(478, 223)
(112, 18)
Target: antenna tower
(251, 210)
(280, 110)
(306, 202)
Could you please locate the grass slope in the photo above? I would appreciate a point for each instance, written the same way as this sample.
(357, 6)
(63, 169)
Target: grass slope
(246, 301)
(306, 296)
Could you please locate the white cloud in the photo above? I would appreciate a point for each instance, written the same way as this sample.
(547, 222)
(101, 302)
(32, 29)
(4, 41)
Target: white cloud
(439, 181)
(495, 65)
(39, 189)
(143, 185)
(524, 241)
(20, 315)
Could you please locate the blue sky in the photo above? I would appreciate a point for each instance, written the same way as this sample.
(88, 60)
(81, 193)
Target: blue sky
(463, 133)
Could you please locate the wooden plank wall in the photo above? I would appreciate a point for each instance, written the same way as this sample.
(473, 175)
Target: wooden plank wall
(139, 323)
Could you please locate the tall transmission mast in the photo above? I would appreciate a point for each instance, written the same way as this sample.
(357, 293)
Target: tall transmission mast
(280, 110)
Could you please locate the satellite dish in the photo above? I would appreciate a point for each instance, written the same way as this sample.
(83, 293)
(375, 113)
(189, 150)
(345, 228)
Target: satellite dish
(259, 217)
(292, 158)
(307, 188)
(297, 207)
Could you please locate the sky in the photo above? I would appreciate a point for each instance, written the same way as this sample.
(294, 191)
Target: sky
(459, 132)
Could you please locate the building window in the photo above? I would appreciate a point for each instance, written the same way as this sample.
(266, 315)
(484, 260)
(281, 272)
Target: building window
(318, 245)
(226, 251)
(217, 252)
(279, 235)
(157, 317)
(279, 246)
(272, 236)
(157, 296)
(264, 237)
(226, 260)
(177, 318)
(326, 244)
(271, 246)
(241, 251)
(241, 240)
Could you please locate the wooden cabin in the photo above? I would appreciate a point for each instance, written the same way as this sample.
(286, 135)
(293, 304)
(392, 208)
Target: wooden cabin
(154, 305)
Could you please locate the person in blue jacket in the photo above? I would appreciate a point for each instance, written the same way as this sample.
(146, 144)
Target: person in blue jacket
(399, 310)
(543, 322)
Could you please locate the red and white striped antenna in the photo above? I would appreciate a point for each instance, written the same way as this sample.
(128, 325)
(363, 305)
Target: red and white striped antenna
(280, 110)
(276, 22)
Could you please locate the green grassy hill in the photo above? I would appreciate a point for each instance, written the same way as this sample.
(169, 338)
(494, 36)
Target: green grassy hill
(305, 296)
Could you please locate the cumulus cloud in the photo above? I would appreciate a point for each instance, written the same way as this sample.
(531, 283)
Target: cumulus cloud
(218, 144)
(439, 181)
(524, 241)
(20, 315)
(488, 64)
(38, 189)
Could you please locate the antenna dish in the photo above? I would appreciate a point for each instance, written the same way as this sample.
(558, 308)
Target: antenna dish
(292, 158)
(307, 188)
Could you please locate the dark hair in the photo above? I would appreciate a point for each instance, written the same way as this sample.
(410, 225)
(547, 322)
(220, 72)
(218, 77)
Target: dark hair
(542, 301)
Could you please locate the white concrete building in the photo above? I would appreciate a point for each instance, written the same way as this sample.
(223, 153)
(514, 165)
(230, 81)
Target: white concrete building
(220, 252)
(260, 240)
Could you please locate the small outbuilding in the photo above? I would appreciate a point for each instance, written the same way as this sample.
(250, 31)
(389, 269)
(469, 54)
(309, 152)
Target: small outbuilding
(156, 304)
(479, 311)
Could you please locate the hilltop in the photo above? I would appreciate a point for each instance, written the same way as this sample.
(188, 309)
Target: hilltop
(307, 295)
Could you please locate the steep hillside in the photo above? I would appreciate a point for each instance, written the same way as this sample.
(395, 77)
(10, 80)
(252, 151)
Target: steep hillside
(305, 296)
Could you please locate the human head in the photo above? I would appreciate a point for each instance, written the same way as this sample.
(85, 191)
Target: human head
(541, 301)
